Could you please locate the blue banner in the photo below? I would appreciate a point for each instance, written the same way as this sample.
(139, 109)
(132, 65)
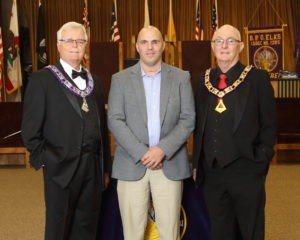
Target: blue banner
(266, 49)
(297, 53)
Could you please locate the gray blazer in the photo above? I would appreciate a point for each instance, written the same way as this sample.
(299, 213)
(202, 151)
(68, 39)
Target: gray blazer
(127, 121)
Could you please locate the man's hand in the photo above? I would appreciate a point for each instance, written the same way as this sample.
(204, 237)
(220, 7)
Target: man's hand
(194, 174)
(153, 158)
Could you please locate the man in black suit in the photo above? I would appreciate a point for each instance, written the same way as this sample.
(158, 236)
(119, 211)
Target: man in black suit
(234, 140)
(64, 129)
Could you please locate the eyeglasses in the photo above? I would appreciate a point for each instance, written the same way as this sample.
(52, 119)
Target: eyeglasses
(70, 42)
(229, 41)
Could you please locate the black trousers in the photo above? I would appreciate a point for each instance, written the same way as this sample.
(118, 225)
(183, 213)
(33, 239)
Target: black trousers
(235, 201)
(72, 213)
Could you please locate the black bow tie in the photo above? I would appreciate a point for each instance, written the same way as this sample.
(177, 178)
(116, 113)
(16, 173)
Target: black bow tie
(82, 74)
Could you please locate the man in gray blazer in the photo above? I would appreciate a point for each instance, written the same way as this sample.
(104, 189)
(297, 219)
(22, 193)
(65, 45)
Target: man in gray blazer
(151, 115)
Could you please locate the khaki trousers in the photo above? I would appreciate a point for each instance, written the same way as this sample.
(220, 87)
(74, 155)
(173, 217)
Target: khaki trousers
(134, 200)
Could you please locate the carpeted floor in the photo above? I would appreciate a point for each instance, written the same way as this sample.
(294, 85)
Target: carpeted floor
(22, 206)
(283, 203)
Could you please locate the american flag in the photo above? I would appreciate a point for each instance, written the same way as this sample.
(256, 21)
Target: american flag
(85, 19)
(114, 30)
(86, 24)
(214, 16)
(199, 33)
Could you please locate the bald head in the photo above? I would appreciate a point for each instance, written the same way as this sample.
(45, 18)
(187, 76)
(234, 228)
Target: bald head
(227, 45)
(226, 31)
(150, 46)
(150, 29)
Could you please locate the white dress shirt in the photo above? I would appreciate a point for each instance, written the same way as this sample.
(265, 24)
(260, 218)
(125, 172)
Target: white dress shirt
(79, 81)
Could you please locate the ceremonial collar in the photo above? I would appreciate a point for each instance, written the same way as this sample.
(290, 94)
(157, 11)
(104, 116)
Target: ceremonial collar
(232, 74)
(230, 88)
(69, 86)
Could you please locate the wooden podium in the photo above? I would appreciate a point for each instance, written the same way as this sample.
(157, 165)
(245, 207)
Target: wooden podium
(195, 57)
(106, 59)
(10, 121)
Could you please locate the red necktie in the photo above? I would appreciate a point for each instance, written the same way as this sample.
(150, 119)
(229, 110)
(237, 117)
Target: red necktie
(222, 85)
(222, 82)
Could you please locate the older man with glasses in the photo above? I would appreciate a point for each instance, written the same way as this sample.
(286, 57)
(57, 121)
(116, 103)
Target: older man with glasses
(64, 129)
(234, 140)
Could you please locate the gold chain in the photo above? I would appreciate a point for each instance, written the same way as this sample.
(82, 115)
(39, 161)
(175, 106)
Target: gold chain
(222, 93)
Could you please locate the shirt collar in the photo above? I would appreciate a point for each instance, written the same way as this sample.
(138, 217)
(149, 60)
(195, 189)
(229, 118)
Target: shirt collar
(145, 75)
(233, 73)
(68, 68)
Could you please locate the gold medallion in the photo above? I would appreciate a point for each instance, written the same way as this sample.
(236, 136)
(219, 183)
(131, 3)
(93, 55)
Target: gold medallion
(84, 106)
(221, 93)
(220, 106)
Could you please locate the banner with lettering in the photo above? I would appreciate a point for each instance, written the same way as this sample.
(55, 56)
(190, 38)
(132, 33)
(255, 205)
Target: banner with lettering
(265, 49)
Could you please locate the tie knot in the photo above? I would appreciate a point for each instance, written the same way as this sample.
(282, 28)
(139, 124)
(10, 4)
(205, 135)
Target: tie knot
(222, 81)
(82, 74)
(223, 77)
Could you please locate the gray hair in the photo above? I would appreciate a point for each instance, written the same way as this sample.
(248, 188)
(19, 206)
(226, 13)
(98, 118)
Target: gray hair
(70, 25)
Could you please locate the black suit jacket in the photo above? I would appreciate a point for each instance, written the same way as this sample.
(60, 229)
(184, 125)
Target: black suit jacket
(254, 126)
(52, 127)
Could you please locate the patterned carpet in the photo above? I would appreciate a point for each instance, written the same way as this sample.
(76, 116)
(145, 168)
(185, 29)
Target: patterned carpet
(22, 206)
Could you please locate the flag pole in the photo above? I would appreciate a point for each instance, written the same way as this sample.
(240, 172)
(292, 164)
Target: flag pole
(3, 87)
(4, 97)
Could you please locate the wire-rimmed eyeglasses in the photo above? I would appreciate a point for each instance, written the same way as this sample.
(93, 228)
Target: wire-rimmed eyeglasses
(228, 41)
(70, 42)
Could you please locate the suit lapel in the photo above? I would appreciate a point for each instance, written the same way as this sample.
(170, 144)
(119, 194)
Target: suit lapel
(72, 99)
(137, 82)
(203, 105)
(204, 98)
(242, 94)
(165, 88)
(96, 100)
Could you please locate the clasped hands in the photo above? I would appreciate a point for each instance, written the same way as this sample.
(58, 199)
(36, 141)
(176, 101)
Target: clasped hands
(152, 159)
